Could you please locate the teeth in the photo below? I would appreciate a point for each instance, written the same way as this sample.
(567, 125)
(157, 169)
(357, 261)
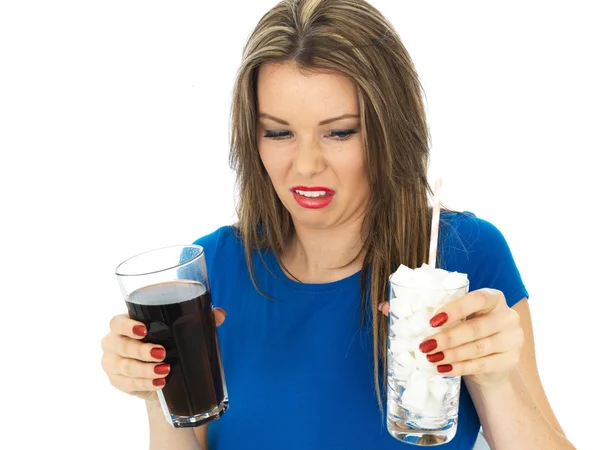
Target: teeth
(313, 194)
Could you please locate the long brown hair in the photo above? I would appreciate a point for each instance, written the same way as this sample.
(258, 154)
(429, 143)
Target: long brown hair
(352, 38)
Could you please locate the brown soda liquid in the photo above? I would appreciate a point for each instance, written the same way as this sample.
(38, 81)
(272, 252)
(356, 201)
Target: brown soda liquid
(179, 316)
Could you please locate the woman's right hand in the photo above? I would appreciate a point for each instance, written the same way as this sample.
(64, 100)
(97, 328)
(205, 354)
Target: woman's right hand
(133, 366)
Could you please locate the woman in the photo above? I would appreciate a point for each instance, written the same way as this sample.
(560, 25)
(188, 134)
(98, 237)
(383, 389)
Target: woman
(330, 145)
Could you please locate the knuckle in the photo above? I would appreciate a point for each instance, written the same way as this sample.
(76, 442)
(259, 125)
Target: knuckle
(448, 340)
(130, 348)
(125, 367)
(480, 366)
(104, 363)
(515, 317)
(482, 294)
(451, 356)
(510, 317)
(122, 346)
(476, 329)
(520, 337)
(114, 323)
(139, 350)
(481, 347)
(142, 385)
(144, 352)
(481, 297)
(104, 343)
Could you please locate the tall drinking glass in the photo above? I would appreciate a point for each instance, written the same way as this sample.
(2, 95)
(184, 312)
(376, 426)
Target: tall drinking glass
(422, 405)
(167, 289)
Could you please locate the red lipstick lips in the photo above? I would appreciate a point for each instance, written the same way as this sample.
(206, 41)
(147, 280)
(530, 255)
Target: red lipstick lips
(312, 197)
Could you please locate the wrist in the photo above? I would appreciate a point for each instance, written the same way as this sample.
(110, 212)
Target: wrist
(153, 404)
(492, 382)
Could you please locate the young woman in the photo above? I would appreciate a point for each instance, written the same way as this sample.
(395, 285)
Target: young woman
(330, 145)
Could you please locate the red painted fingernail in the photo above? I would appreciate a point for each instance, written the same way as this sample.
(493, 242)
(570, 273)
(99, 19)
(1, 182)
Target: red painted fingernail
(438, 320)
(158, 353)
(428, 345)
(162, 369)
(159, 382)
(139, 330)
(443, 368)
(436, 357)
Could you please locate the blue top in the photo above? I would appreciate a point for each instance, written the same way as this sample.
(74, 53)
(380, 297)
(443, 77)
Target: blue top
(299, 369)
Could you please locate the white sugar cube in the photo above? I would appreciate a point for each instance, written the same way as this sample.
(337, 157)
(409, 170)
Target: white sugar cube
(418, 322)
(414, 342)
(440, 274)
(422, 364)
(398, 346)
(407, 360)
(415, 298)
(401, 307)
(454, 281)
(417, 391)
(403, 275)
(422, 279)
(434, 299)
(427, 278)
(397, 375)
(438, 386)
(400, 327)
(457, 294)
(433, 407)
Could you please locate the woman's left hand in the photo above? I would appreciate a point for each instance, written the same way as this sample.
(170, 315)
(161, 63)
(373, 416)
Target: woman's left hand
(484, 347)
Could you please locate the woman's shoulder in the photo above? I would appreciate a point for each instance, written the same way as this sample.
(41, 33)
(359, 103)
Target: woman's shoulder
(225, 241)
(220, 236)
(472, 245)
(468, 232)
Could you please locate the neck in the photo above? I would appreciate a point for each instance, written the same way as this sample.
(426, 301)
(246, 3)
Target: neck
(324, 256)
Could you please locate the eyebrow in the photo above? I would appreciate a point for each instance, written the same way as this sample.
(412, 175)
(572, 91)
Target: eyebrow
(323, 122)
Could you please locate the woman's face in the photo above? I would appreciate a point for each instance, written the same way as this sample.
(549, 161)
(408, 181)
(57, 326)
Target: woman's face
(310, 142)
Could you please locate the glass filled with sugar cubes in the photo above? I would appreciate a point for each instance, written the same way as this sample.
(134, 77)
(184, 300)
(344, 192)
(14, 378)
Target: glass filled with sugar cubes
(422, 404)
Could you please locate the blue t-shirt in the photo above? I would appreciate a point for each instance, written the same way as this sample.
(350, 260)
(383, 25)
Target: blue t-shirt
(298, 366)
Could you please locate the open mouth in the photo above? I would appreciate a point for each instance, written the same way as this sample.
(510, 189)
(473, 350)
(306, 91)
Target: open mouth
(311, 194)
(314, 197)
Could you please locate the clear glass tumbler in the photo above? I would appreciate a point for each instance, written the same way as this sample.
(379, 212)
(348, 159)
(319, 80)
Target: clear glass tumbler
(167, 289)
(422, 405)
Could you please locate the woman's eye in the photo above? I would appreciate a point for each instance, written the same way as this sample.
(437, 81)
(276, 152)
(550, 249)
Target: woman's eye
(277, 134)
(338, 135)
(341, 134)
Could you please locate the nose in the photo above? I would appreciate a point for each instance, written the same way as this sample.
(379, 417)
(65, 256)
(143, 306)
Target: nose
(309, 159)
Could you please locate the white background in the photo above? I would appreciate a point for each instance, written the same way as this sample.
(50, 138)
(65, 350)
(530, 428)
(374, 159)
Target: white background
(114, 140)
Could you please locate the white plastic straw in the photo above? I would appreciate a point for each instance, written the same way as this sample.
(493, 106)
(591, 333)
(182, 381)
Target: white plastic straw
(435, 222)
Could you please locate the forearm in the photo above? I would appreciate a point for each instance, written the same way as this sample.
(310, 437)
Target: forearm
(163, 436)
(511, 419)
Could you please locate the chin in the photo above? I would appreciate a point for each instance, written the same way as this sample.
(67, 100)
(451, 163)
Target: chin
(317, 223)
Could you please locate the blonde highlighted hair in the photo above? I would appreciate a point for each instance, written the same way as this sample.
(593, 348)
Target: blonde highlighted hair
(351, 38)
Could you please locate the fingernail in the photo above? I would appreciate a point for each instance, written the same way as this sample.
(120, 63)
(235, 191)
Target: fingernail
(158, 353)
(428, 345)
(436, 357)
(380, 306)
(139, 330)
(443, 368)
(162, 369)
(438, 320)
(159, 382)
